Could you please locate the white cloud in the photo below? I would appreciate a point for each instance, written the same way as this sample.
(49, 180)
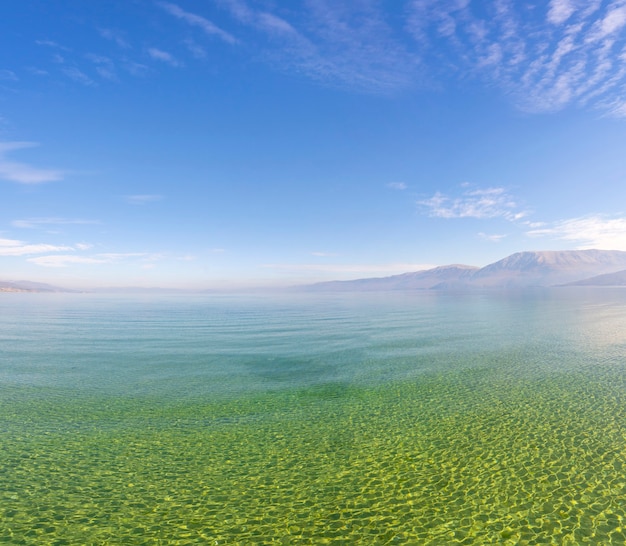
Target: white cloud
(560, 11)
(52, 44)
(595, 231)
(491, 238)
(196, 20)
(134, 68)
(142, 198)
(350, 45)
(78, 75)
(31, 223)
(115, 256)
(544, 56)
(114, 36)
(613, 21)
(13, 247)
(397, 185)
(64, 260)
(573, 60)
(196, 50)
(382, 269)
(164, 56)
(22, 172)
(486, 203)
(8, 75)
(103, 66)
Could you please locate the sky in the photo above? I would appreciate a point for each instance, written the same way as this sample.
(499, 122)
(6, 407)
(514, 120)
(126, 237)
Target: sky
(234, 143)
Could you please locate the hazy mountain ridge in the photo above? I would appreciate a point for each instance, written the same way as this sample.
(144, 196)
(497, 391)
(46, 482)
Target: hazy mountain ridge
(548, 268)
(29, 286)
(519, 270)
(418, 280)
(609, 279)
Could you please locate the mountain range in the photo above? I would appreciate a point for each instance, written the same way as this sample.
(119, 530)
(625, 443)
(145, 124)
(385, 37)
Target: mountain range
(519, 270)
(29, 286)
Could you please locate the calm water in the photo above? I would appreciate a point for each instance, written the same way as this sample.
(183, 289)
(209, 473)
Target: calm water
(416, 418)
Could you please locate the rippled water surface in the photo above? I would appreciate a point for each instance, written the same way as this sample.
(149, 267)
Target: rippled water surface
(398, 418)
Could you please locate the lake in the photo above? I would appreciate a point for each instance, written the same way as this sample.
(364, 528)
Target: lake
(379, 418)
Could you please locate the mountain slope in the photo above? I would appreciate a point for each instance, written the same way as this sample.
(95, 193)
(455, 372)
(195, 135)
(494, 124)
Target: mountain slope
(548, 268)
(609, 279)
(29, 286)
(430, 278)
(523, 269)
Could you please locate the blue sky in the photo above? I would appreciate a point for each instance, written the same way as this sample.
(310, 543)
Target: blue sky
(228, 143)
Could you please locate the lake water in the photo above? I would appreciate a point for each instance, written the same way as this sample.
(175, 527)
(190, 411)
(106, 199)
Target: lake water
(392, 418)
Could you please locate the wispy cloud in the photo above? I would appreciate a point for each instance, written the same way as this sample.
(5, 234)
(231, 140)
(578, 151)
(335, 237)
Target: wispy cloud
(198, 21)
(115, 36)
(52, 44)
(66, 260)
(397, 185)
(8, 75)
(492, 238)
(351, 268)
(24, 173)
(341, 44)
(78, 75)
(195, 49)
(104, 66)
(32, 223)
(164, 56)
(546, 58)
(481, 203)
(142, 199)
(13, 247)
(594, 231)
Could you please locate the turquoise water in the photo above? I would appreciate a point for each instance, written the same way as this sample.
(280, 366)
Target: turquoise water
(396, 418)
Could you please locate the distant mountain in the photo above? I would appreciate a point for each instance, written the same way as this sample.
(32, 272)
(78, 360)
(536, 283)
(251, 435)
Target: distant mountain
(29, 286)
(610, 279)
(548, 268)
(523, 269)
(449, 275)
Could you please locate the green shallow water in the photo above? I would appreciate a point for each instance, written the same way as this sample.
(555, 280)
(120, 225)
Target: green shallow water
(438, 422)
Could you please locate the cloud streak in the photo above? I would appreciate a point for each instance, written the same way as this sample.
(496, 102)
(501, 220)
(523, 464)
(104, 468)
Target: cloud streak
(142, 199)
(195, 20)
(570, 54)
(480, 204)
(543, 56)
(66, 260)
(351, 268)
(594, 231)
(23, 173)
(13, 247)
(32, 223)
(163, 56)
(348, 45)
